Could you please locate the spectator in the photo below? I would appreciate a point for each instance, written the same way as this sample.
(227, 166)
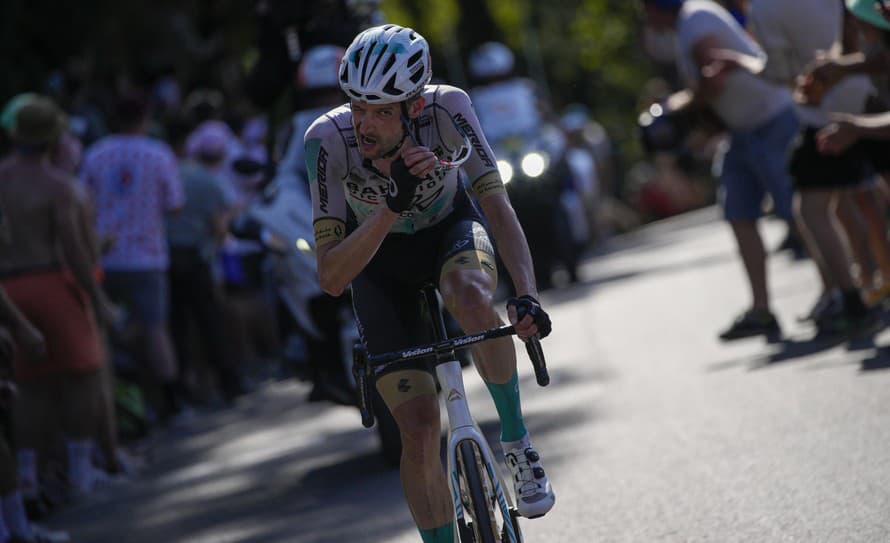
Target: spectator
(134, 182)
(14, 523)
(870, 55)
(45, 266)
(792, 33)
(194, 236)
(761, 121)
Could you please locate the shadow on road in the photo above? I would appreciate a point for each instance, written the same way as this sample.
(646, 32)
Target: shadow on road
(784, 350)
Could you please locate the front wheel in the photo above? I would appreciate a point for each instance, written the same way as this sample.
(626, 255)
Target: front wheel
(476, 497)
(487, 517)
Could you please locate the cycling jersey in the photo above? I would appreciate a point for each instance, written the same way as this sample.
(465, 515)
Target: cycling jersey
(342, 181)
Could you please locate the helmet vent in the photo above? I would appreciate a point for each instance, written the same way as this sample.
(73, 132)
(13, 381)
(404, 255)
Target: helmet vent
(391, 88)
(417, 76)
(389, 63)
(414, 58)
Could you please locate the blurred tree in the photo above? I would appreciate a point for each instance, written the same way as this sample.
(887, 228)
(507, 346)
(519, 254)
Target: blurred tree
(588, 50)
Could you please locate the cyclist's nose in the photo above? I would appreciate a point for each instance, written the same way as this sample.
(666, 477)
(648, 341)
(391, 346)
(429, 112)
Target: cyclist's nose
(366, 127)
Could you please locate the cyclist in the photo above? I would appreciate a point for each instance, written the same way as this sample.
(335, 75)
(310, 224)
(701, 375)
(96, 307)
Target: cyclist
(387, 219)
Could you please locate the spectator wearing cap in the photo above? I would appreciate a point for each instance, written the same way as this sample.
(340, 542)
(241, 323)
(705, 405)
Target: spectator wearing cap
(793, 33)
(134, 183)
(869, 131)
(47, 270)
(194, 236)
(717, 60)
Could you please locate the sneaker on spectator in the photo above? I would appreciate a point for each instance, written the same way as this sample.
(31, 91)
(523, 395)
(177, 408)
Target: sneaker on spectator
(752, 323)
(854, 325)
(828, 303)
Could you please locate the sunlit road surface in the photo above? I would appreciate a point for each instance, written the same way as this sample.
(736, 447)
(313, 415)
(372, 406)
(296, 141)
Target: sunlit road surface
(651, 429)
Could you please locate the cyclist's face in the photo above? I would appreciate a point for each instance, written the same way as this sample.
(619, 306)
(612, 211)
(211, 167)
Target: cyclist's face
(377, 127)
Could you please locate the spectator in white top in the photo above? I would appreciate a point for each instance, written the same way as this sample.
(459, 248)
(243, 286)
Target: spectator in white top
(716, 58)
(793, 32)
(134, 182)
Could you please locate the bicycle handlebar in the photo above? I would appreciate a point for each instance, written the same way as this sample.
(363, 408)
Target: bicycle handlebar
(363, 364)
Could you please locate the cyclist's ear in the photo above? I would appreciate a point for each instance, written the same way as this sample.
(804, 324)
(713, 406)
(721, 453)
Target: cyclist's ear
(415, 107)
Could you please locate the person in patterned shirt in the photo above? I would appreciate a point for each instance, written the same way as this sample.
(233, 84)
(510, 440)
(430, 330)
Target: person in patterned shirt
(134, 183)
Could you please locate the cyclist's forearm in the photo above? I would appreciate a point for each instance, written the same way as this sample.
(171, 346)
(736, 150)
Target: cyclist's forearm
(339, 263)
(511, 243)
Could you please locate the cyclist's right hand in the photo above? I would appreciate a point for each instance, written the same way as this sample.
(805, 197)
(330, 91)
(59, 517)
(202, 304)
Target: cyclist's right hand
(402, 184)
(529, 318)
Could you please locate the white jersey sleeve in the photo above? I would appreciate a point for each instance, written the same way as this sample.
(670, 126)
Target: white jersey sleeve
(326, 174)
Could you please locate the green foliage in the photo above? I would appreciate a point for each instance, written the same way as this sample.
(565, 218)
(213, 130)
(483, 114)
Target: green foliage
(590, 49)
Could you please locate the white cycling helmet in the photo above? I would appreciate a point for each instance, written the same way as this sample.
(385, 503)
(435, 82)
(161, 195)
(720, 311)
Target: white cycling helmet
(491, 59)
(320, 68)
(386, 64)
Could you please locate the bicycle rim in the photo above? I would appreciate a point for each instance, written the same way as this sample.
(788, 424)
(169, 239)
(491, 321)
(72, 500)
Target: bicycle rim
(473, 475)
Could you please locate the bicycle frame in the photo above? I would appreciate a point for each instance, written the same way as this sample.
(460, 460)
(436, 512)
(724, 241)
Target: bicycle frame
(462, 427)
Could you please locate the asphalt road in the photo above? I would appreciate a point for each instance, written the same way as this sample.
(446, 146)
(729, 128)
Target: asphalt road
(651, 431)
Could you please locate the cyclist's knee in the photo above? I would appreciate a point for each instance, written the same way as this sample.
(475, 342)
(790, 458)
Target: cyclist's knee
(419, 424)
(469, 299)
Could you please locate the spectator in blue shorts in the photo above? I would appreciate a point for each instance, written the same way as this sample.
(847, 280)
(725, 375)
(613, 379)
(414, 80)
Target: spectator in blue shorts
(718, 61)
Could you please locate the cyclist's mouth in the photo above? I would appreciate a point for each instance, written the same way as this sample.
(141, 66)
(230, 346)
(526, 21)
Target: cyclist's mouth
(367, 142)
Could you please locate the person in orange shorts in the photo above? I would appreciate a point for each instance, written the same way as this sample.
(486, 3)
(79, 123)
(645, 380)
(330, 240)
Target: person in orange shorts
(16, 332)
(46, 269)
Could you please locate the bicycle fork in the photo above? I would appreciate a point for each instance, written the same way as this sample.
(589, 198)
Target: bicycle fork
(462, 427)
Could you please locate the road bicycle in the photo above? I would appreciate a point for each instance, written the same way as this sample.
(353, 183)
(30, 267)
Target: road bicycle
(484, 513)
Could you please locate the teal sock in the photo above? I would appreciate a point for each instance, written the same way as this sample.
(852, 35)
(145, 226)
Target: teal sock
(442, 534)
(506, 401)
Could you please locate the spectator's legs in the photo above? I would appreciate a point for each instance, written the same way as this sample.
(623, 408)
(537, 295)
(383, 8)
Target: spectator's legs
(145, 295)
(816, 209)
(850, 217)
(106, 436)
(80, 409)
(8, 467)
(181, 303)
(36, 430)
(206, 306)
(754, 259)
(14, 522)
(872, 205)
(162, 361)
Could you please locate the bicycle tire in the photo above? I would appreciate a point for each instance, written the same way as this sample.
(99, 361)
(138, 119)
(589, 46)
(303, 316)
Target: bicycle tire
(483, 524)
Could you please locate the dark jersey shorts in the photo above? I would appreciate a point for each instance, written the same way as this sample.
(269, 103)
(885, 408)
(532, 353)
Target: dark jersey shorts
(386, 294)
(812, 170)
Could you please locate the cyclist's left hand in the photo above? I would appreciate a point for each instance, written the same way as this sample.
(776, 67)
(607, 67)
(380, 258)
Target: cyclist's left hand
(419, 160)
(528, 317)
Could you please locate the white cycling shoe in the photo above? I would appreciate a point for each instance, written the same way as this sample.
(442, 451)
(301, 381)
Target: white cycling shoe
(534, 495)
